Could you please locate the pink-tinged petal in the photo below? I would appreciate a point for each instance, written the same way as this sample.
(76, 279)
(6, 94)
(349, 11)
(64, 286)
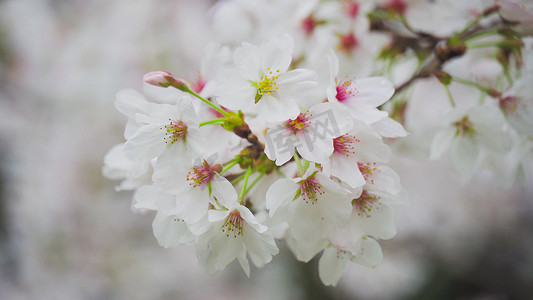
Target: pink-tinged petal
(389, 128)
(512, 11)
(442, 141)
(146, 144)
(130, 103)
(277, 53)
(331, 265)
(280, 193)
(372, 91)
(380, 224)
(170, 231)
(261, 246)
(370, 254)
(224, 191)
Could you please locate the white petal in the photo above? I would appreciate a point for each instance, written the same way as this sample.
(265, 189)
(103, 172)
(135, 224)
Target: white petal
(380, 224)
(192, 204)
(442, 141)
(147, 143)
(306, 229)
(276, 53)
(346, 169)
(130, 102)
(331, 266)
(149, 197)
(464, 154)
(236, 95)
(372, 91)
(275, 109)
(314, 148)
(250, 219)
(280, 193)
(279, 145)
(243, 261)
(370, 254)
(248, 61)
(170, 232)
(224, 191)
(368, 115)
(261, 246)
(389, 128)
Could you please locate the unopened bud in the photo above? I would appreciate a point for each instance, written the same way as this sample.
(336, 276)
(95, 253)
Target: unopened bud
(164, 79)
(447, 51)
(443, 77)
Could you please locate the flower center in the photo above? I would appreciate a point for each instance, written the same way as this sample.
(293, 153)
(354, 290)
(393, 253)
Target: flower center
(344, 144)
(300, 123)
(509, 104)
(308, 25)
(233, 224)
(201, 174)
(365, 203)
(348, 42)
(397, 6)
(175, 131)
(464, 127)
(352, 8)
(267, 84)
(345, 91)
(310, 189)
(368, 170)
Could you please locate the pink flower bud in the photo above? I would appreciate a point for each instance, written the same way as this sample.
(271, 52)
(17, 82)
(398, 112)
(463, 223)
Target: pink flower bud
(164, 79)
(514, 12)
(158, 78)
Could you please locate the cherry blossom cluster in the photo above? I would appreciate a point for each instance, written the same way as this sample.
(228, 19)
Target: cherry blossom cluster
(280, 136)
(260, 159)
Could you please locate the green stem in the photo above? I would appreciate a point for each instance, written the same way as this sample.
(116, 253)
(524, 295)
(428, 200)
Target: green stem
(482, 34)
(297, 160)
(483, 45)
(470, 24)
(473, 84)
(254, 182)
(449, 94)
(243, 190)
(214, 121)
(230, 165)
(220, 110)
